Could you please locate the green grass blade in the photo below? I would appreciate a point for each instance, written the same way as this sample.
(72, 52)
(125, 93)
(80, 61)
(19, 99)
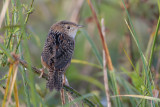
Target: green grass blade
(96, 52)
(140, 51)
(114, 87)
(31, 77)
(129, 60)
(79, 99)
(24, 77)
(154, 42)
(85, 63)
(4, 77)
(31, 81)
(25, 84)
(98, 102)
(158, 5)
(90, 80)
(5, 50)
(128, 89)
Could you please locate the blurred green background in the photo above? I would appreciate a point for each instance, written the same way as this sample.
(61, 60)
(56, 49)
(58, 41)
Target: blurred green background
(83, 77)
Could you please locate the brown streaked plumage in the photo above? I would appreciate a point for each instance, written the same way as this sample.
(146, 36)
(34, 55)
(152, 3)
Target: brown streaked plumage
(58, 50)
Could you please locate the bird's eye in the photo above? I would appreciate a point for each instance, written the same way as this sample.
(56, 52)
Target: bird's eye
(68, 27)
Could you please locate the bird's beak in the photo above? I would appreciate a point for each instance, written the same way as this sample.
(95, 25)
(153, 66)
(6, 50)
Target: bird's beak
(80, 26)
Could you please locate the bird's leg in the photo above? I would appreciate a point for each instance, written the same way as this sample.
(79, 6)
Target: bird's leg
(42, 71)
(62, 90)
(64, 79)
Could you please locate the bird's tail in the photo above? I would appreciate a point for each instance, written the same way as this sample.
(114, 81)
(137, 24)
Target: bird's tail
(55, 80)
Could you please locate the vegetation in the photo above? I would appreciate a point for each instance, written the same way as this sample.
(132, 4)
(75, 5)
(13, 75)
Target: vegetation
(116, 60)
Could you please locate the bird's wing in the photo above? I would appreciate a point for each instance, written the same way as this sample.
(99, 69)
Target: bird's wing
(49, 50)
(64, 52)
(58, 51)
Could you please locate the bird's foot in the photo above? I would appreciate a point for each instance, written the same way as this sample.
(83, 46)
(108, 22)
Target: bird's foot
(42, 71)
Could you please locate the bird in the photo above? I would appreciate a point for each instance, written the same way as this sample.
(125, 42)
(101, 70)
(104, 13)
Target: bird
(58, 51)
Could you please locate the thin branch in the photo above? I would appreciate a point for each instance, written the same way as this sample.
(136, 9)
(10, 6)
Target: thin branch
(65, 87)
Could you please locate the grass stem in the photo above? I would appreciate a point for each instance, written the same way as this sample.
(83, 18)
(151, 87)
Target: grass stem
(105, 70)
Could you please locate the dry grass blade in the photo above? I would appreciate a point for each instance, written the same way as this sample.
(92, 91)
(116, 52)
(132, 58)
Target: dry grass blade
(108, 59)
(16, 94)
(15, 70)
(7, 85)
(139, 96)
(76, 10)
(105, 70)
(3, 12)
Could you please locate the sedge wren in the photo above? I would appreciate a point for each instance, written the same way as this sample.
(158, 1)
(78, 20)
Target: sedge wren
(57, 52)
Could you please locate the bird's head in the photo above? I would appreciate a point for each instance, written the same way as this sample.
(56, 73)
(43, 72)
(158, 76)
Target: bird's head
(66, 27)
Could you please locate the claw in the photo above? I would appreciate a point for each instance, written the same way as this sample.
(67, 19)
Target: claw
(42, 71)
